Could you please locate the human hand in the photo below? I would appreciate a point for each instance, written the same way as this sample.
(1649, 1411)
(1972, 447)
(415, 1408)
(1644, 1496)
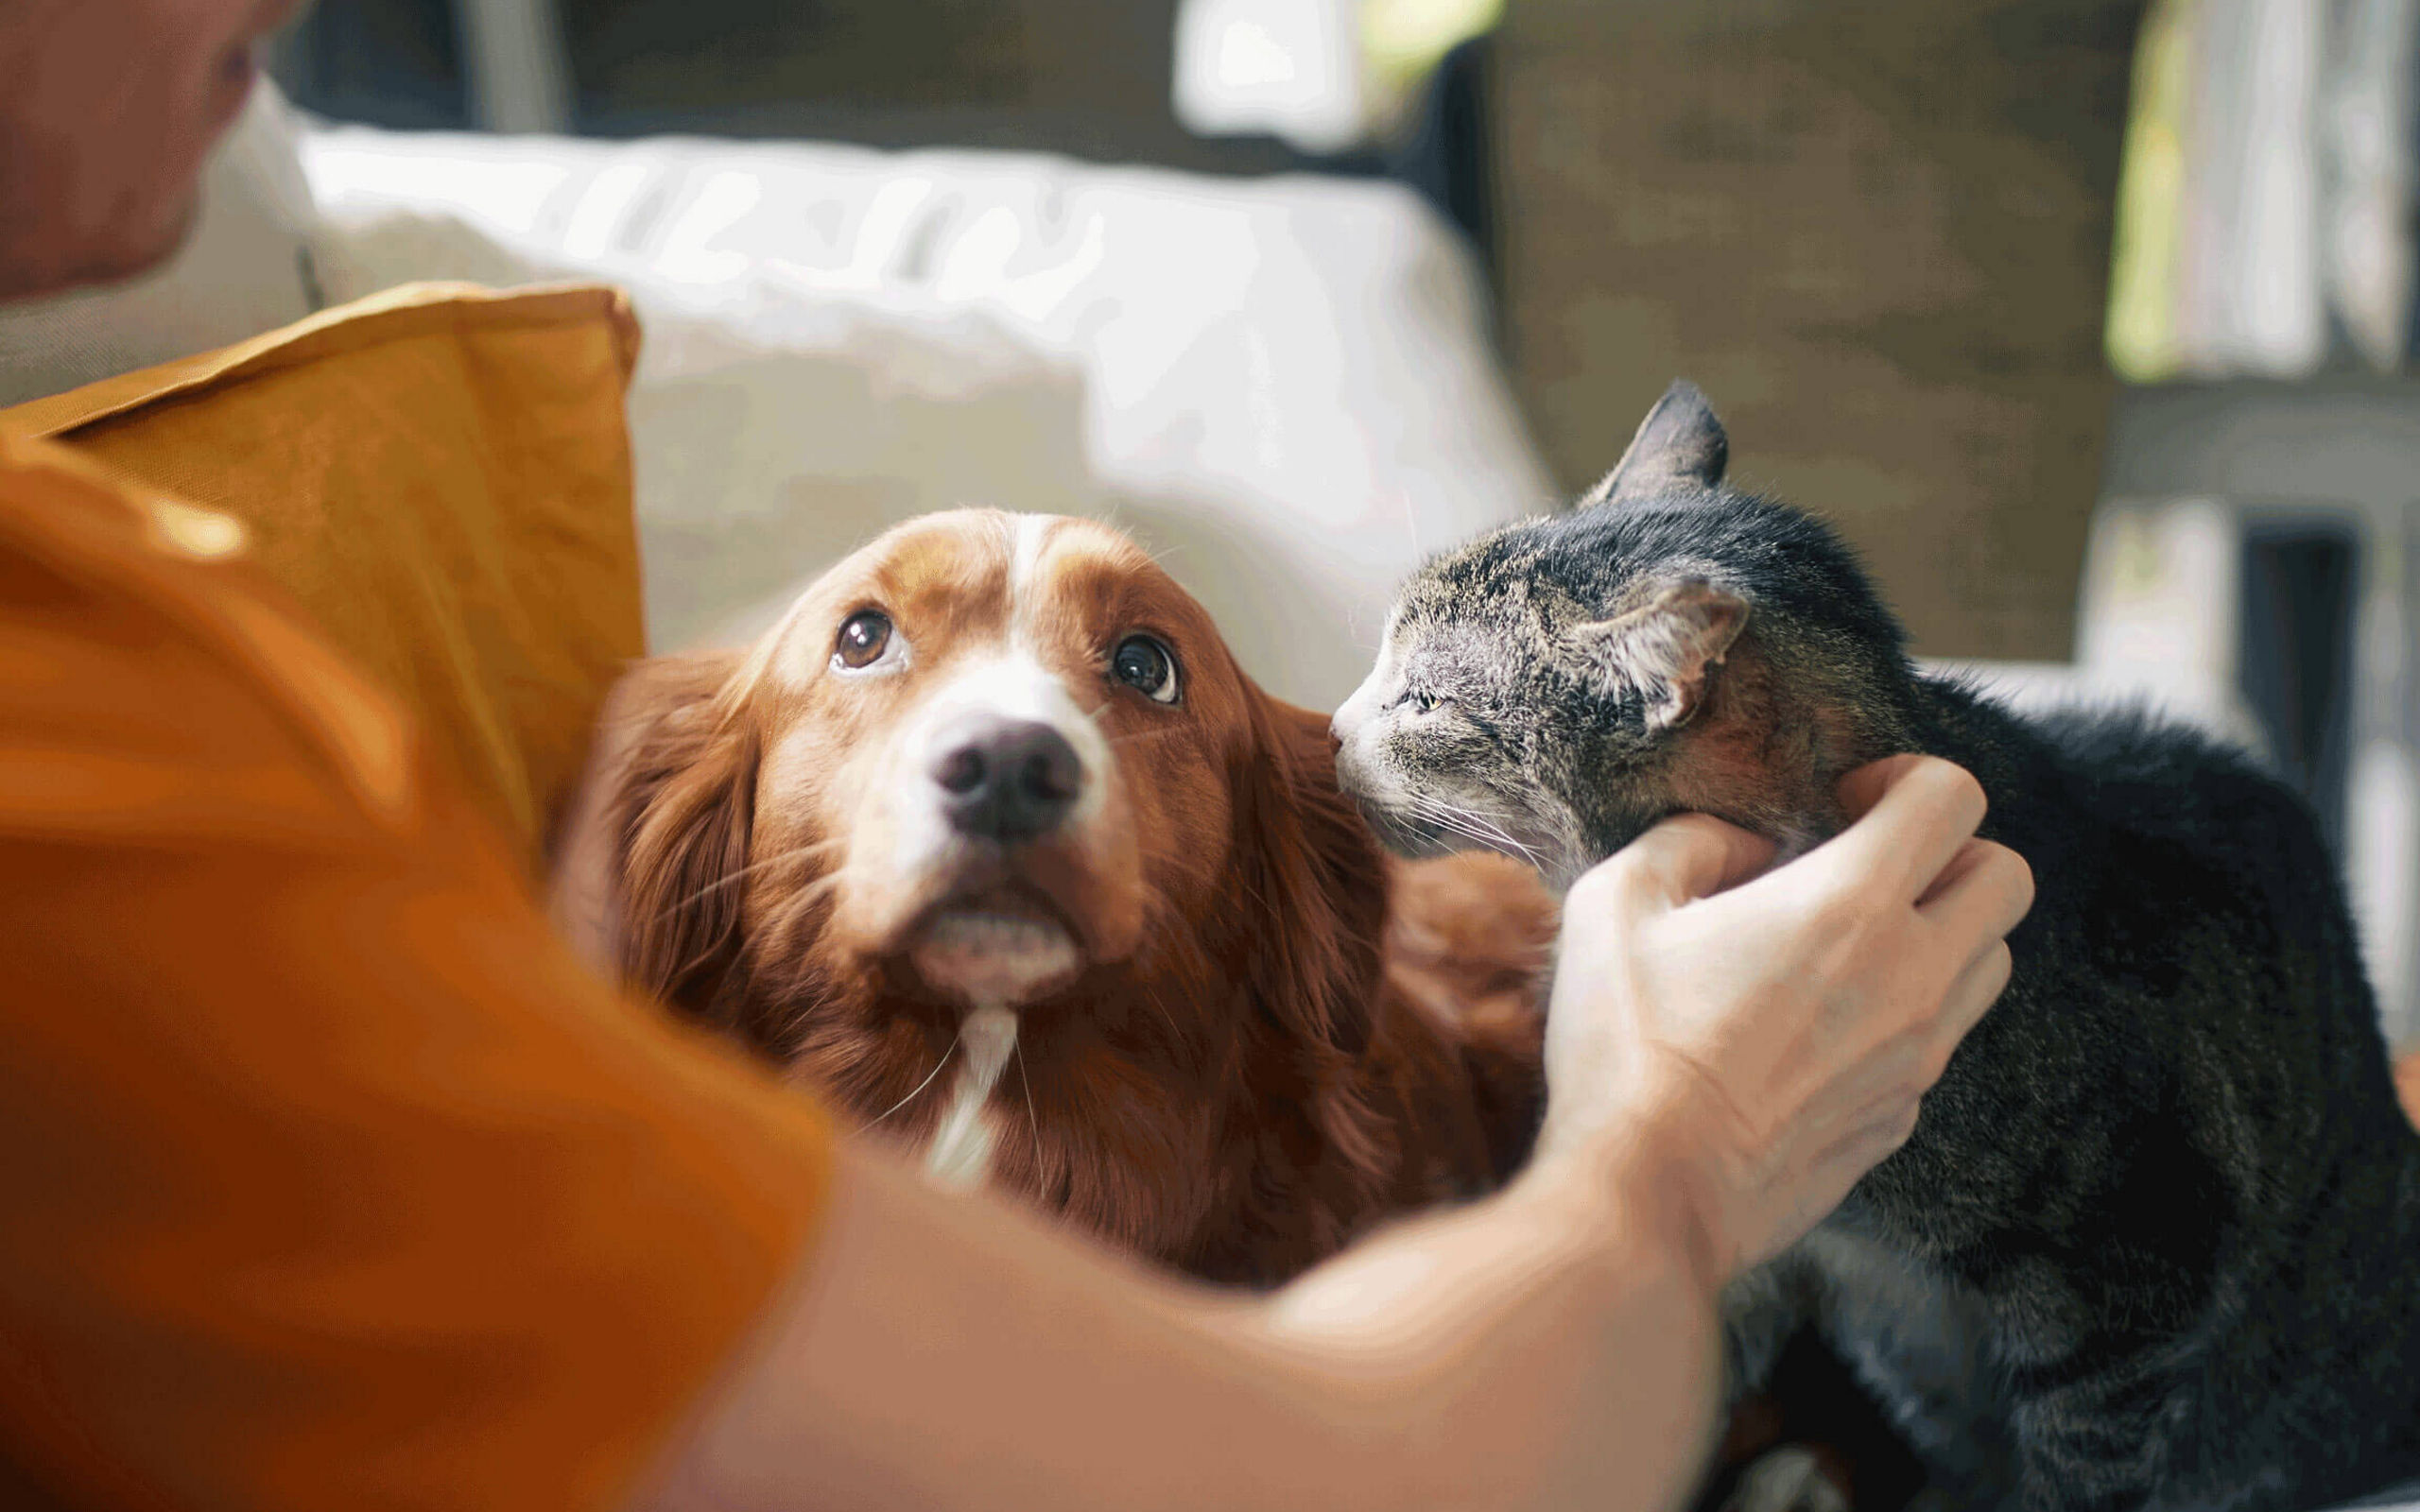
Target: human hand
(1772, 1036)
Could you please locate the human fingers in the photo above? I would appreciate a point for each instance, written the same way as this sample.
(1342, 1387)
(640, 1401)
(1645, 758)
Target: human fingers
(1683, 858)
(1984, 891)
(1971, 994)
(1959, 864)
(1871, 1139)
(1863, 787)
(1925, 810)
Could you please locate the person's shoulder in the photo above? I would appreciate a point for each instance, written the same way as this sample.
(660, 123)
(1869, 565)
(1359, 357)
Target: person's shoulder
(39, 478)
(60, 507)
(146, 638)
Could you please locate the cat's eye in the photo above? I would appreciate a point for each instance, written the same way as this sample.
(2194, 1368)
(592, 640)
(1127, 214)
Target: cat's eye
(1146, 667)
(1422, 703)
(862, 639)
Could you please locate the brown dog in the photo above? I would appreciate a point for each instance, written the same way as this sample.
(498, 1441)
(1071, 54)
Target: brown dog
(995, 845)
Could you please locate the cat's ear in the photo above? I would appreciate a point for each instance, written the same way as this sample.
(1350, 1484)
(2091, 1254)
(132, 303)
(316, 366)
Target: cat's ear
(1680, 444)
(1666, 648)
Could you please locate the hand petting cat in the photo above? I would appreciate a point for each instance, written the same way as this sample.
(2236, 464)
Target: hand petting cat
(1794, 1018)
(2149, 1246)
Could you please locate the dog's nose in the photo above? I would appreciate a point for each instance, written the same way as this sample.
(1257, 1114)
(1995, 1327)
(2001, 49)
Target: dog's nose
(1007, 779)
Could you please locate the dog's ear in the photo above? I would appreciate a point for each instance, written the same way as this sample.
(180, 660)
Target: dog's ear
(1307, 920)
(1315, 881)
(1679, 445)
(679, 819)
(1666, 650)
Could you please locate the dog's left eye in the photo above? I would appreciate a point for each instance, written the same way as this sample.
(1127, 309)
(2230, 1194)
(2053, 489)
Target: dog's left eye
(862, 636)
(1146, 667)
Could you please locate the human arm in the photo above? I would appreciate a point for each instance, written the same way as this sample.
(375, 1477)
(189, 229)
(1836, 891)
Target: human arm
(947, 1353)
(332, 1177)
(1724, 1064)
(331, 1180)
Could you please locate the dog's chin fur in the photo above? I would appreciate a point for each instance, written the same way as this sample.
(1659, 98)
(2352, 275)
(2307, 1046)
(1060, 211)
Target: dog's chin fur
(986, 957)
(1183, 1018)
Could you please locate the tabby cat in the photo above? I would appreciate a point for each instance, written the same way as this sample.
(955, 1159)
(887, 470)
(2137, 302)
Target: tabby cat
(2156, 1242)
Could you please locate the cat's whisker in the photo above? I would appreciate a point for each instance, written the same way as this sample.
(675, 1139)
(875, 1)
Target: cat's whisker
(1472, 825)
(1497, 832)
(1502, 841)
(1453, 826)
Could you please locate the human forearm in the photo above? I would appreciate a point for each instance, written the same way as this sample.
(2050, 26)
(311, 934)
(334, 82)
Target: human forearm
(1556, 1347)
(1724, 1058)
(1549, 1343)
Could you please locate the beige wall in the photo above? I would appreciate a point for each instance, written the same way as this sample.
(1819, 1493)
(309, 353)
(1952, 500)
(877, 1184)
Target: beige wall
(1876, 233)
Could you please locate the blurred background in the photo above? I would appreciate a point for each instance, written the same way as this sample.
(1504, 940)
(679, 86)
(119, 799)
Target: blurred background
(2089, 321)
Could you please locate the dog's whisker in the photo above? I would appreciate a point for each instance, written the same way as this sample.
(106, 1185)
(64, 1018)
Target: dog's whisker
(795, 853)
(1137, 736)
(1034, 1120)
(783, 918)
(1175, 1034)
(920, 1087)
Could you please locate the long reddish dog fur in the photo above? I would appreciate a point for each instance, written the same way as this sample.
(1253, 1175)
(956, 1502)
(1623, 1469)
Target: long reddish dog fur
(1271, 1037)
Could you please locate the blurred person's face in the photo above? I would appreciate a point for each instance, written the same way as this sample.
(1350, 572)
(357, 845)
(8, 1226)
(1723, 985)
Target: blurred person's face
(107, 108)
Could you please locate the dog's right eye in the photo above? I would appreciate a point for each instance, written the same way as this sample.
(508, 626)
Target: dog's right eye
(862, 636)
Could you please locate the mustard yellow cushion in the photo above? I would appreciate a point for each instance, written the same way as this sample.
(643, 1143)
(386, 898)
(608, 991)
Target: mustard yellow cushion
(441, 476)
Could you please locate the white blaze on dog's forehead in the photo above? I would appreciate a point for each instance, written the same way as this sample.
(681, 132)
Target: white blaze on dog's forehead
(960, 1154)
(1030, 535)
(1029, 543)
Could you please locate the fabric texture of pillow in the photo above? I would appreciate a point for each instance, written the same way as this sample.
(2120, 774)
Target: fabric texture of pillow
(441, 476)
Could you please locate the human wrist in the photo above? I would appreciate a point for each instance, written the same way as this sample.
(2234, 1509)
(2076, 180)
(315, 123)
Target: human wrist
(1643, 1181)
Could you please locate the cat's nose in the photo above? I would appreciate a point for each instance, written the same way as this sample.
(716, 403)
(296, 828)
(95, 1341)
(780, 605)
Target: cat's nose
(1350, 715)
(1352, 773)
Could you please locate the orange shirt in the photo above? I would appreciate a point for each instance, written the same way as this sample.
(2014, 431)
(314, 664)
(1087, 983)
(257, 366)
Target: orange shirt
(328, 1180)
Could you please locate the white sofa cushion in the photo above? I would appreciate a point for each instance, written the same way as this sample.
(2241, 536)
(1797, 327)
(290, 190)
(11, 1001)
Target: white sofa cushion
(1282, 386)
